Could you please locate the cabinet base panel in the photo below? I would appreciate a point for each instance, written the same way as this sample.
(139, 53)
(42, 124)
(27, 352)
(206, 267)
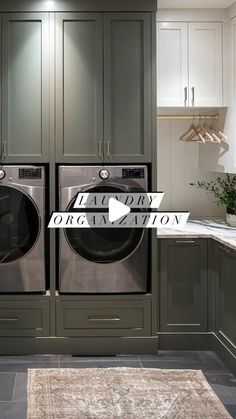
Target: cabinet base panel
(185, 341)
(79, 346)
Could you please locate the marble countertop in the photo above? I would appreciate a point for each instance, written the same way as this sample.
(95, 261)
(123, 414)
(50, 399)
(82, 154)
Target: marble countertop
(209, 228)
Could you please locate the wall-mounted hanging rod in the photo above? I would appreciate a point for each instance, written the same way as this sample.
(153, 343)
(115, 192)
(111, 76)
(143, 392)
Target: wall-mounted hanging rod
(189, 117)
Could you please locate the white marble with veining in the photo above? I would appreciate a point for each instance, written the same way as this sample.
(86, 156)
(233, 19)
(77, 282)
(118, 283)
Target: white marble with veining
(216, 229)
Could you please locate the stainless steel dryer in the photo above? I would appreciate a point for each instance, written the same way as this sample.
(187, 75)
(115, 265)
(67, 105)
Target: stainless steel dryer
(22, 241)
(102, 260)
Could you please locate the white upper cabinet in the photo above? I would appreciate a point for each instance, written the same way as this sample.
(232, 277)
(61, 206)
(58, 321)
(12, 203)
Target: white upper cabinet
(189, 66)
(172, 64)
(205, 64)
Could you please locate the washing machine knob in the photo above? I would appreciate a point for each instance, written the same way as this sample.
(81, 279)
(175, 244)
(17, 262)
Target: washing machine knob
(2, 174)
(104, 174)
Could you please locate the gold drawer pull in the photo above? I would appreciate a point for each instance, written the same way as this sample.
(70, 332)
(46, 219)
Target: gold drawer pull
(108, 148)
(13, 319)
(99, 148)
(184, 241)
(104, 319)
(185, 96)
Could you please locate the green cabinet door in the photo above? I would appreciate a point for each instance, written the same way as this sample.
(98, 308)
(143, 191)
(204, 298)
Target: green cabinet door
(225, 294)
(183, 285)
(127, 87)
(79, 87)
(25, 87)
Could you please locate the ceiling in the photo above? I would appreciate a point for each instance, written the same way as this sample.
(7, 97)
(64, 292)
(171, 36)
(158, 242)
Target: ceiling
(194, 4)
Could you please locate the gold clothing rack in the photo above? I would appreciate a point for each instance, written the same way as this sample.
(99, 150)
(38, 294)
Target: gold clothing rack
(189, 117)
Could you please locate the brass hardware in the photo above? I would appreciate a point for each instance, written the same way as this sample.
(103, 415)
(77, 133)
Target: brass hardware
(13, 319)
(193, 96)
(4, 149)
(185, 96)
(108, 148)
(189, 117)
(104, 319)
(100, 148)
(184, 241)
(224, 249)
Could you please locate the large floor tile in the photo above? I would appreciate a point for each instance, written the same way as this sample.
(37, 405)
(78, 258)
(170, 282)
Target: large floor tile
(231, 409)
(27, 358)
(172, 355)
(7, 382)
(179, 364)
(23, 366)
(12, 410)
(71, 358)
(20, 388)
(102, 364)
(222, 378)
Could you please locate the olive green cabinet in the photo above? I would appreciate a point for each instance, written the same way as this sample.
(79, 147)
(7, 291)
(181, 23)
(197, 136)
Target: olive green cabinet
(103, 318)
(24, 318)
(225, 265)
(103, 87)
(25, 87)
(183, 285)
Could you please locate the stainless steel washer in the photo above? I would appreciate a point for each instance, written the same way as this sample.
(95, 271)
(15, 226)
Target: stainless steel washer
(22, 241)
(102, 260)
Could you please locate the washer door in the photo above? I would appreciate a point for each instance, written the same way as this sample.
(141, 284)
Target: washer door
(19, 224)
(103, 245)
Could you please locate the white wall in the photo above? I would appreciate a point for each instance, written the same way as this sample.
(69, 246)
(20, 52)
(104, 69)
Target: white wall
(177, 166)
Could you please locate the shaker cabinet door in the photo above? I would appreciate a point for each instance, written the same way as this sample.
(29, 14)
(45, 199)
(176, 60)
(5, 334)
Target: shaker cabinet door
(127, 87)
(183, 285)
(172, 64)
(25, 87)
(79, 87)
(205, 64)
(225, 294)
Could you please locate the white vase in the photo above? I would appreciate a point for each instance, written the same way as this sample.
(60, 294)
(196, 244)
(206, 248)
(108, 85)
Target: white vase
(231, 219)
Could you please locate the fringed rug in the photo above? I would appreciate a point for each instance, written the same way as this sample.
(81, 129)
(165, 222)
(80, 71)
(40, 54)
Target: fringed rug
(127, 393)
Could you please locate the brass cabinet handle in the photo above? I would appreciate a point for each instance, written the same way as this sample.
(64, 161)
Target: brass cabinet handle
(4, 149)
(104, 319)
(225, 249)
(108, 148)
(12, 319)
(184, 241)
(100, 148)
(193, 95)
(185, 96)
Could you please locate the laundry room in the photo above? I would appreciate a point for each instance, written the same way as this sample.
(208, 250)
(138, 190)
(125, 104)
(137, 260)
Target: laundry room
(118, 209)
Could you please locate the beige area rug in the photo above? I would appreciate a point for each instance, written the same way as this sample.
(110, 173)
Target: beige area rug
(127, 393)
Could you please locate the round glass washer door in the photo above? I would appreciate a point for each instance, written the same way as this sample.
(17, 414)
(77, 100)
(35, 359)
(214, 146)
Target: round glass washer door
(19, 224)
(103, 245)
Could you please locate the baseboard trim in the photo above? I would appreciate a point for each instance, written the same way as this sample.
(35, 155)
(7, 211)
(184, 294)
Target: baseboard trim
(79, 346)
(185, 341)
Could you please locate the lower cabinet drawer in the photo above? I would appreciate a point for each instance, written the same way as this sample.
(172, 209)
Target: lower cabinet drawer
(103, 318)
(24, 318)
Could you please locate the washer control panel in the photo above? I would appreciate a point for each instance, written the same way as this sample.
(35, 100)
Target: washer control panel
(133, 173)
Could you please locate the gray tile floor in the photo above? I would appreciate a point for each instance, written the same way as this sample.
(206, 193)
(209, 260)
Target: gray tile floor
(13, 374)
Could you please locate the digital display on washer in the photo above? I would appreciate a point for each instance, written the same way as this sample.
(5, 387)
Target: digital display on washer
(30, 173)
(133, 173)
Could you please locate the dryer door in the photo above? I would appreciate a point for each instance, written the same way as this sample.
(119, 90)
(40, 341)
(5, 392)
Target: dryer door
(103, 245)
(19, 224)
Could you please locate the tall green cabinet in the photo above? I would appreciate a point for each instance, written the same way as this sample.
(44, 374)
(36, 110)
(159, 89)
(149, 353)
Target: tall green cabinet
(25, 87)
(103, 87)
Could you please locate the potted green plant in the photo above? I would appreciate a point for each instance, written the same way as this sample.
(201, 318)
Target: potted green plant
(224, 189)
